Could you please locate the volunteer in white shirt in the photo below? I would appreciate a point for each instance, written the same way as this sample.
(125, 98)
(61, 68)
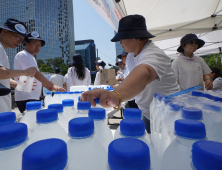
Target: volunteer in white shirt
(57, 79)
(66, 85)
(78, 74)
(12, 34)
(191, 70)
(24, 60)
(216, 77)
(149, 67)
(100, 64)
(120, 73)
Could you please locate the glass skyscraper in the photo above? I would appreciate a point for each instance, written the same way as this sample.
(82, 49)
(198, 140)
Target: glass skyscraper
(52, 19)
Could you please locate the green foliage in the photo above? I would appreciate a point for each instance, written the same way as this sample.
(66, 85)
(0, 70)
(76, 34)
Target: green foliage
(40, 62)
(46, 69)
(211, 60)
(64, 69)
(57, 62)
(49, 62)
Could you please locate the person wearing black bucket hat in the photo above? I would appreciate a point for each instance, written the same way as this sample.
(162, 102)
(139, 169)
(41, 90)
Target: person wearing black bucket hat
(191, 70)
(57, 78)
(100, 64)
(12, 34)
(149, 69)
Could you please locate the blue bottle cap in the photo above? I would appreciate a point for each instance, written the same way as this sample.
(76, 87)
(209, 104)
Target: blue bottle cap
(7, 117)
(174, 107)
(48, 93)
(97, 113)
(49, 154)
(197, 93)
(81, 127)
(89, 88)
(207, 155)
(132, 113)
(156, 94)
(212, 107)
(218, 99)
(47, 115)
(132, 127)
(58, 107)
(96, 100)
(13, 134)
(208, 96)
(79, 98)
(128, 153)
(192, 113)
(83, 105)
(68, 102)
(191, 129)
(33, 105)
(160, 97)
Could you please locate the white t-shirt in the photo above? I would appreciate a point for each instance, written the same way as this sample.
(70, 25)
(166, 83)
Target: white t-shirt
(97, 79)
(161, 63)
(189, 72)
(5, 101)
(217, 84)
(73, 79)
(22, 61)
(66, 81)
(57, 79)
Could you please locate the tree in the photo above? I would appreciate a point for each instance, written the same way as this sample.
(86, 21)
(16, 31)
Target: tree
(49, 62)
(211, 60)
(46, 69)
(40, 62)
(57, 62)
(64, 69)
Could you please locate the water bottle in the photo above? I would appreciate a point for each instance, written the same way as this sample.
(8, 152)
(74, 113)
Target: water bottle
(206, 155)
(84, 149)
(7, 118)
(63, 122)
(177, 155)
(129, 113)
(13, 139)
(30, 116)
(48, 127)
(102, 132)
(56, 97)
(21, 83)
(69, 110)
(76, 96)
(128, 154)
(46, 154)
(83, 109)
(48, 99)
(28, 85)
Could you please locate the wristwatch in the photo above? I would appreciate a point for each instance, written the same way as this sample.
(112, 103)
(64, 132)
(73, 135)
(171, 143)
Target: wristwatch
(209, 79)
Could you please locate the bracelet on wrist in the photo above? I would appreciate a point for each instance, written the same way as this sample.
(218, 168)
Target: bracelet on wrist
(120, 100)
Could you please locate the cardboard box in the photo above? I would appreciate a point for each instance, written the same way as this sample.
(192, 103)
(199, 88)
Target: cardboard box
(111, 82)
(107, 74)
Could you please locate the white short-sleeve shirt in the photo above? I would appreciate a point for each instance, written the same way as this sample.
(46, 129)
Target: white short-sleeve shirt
(5, 101)
(66, 81)
(161, 63)
(22, 61)
(189, 72)
(97, 79)
(57, 79)
(217, 84)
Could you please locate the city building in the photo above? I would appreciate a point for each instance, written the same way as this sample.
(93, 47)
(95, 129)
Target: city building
(119, 47)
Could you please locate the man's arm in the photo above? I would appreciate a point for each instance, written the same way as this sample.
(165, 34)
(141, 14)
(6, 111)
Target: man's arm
(13, 83)
(65, 87)
(207, 82)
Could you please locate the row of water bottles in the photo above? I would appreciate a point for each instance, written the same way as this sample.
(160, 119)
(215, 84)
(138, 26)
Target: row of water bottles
(179, 123)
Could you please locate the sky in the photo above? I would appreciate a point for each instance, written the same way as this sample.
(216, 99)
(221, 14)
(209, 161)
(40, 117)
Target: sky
(88, 24)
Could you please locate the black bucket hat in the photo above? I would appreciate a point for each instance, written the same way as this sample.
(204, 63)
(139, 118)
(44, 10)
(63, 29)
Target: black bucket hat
(123, 53)
(57, 70)
(35, 36)
(77, 59)
(187, 38)
(119, 61)
(100, 63)
(132, 26)
(16, 26)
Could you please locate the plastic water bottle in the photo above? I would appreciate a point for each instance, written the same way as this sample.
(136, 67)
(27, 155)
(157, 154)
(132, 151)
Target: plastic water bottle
(206, 155)
(153, 103)
(63, 122)
(21, 83)
(46, 154)
(28, 85)
(76, 96)
(83, 149)
(13, 139)
(102, 132)
(83, 109)
(30, 116)
(47, 127)
(129, 113)
(177, 155)
(69, 110)
(56, 97)
(7, 118)
(48, 99)
(127, 154)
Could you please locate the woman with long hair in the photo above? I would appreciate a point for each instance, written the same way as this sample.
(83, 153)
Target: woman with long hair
(216, 77)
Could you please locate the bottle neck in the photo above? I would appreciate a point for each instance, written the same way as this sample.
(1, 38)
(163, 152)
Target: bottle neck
(83, 111)
(68, 107)
(185, 141)
(82, 139)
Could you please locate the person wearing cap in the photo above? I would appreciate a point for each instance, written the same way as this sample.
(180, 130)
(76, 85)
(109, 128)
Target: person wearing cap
(25, 59)
(66, 85)
(12, 34)
(149, 70)
(120, 73)
(57, 78)
(78, 74)
(216, 77)
(100, 64)
(191, 70)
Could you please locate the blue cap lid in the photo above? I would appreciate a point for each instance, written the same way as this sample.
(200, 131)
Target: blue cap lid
(49, 154)
(68, 102)
(89, 88)
(192, 113)
(132, 127)
(46, 115)
(197, 93)
(174, 107)
(33, 105)
(156, 94)
(128, 153)
(48, 93)
(7, 117)
(58, 107)
(207, 155)
(132, 113)
(96, 100)
(83, 105)
(79, 98)
(13, 134)
(81, 127)
(208, 96)
(218, 99)
(212, 107)
(159, 97)
(97, 113)
(190, 129)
